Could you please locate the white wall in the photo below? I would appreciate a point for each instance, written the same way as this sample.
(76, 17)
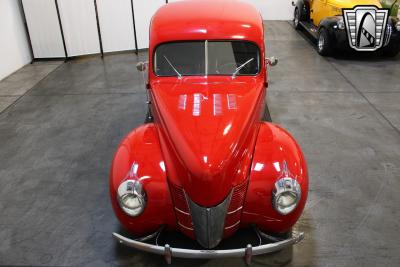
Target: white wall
(14, 47)
(274, 9)
(270, 9)
(144, 11)
(44, 28)
(80, 29)
(116, 25)
(78, 19)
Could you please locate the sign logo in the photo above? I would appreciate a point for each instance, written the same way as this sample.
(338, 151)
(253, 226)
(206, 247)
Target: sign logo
(366, 26)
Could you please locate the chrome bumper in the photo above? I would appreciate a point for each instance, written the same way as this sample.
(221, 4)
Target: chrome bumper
(246, 253)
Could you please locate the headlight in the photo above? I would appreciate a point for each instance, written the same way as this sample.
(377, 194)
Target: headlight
(340, 23)
(131, 197)
(286, 195)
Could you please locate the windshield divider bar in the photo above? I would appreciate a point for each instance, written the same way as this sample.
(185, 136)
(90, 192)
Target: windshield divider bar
(206, 59)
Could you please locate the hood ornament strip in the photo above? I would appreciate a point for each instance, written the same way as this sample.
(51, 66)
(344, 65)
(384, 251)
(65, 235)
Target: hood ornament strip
(209, 222)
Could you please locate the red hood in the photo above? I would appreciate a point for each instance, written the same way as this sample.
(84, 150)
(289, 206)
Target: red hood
(208, 126)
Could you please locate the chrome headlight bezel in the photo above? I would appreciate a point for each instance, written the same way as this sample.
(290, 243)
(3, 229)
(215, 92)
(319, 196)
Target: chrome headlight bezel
(286, 187)
(132, 190)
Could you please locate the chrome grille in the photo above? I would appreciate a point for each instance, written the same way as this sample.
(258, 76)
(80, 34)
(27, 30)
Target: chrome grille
(209, 222)
(231, 207)
(232, 220)
(182, 210)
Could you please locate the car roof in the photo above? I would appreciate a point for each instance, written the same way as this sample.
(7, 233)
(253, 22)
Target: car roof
(206, 20)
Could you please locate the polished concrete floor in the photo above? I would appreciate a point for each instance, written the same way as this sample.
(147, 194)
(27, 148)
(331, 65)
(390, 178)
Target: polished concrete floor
(58, 139)
(16, 85)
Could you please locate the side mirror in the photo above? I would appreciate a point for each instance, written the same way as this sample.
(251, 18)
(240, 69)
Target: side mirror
(271, 61)
(142, 66)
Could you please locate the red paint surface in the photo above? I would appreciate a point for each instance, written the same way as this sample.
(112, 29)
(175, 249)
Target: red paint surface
(274, 146)
(212, 141)
(141, 147)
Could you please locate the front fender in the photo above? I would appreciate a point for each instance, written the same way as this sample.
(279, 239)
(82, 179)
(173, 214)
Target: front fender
(275, 147)
(330, 23)
(139, 157)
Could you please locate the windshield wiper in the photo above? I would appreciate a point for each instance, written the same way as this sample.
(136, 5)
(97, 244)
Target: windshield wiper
(241, 67)
(172, 66)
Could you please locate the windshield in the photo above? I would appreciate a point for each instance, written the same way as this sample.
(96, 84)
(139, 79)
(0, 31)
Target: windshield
(198, 58)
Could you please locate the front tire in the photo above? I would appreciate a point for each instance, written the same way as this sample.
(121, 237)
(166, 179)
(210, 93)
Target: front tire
(391, 51)
(324, 45)
(296, 19)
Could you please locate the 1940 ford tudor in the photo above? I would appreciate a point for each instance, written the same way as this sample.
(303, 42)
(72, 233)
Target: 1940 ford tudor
(206, 163)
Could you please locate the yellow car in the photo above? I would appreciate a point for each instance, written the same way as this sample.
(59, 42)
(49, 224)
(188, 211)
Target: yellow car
(323, 19)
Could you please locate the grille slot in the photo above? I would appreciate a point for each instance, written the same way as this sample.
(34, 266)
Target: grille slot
(232, 220)
(182, 210)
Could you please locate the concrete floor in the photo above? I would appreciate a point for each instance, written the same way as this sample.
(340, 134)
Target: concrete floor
(58, 139)
(21, 81)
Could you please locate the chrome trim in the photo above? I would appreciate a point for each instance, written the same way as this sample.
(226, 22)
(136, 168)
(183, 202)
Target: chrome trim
(187, 228)
(233, 225)
(248, 254)
(206, 57)
(181, 211)
(234, 211)
(267, 236)
(209, 222)
(157, 233)
(169, 252)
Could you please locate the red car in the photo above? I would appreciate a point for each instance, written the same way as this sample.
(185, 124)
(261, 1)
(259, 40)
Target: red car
(205, 163)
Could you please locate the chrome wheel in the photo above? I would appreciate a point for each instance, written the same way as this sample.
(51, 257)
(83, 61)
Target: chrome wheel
(321, 42)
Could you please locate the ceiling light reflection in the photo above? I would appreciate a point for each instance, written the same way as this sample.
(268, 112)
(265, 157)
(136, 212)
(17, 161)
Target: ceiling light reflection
(162, 165)
(277, 166)
(258, 167)
(227, 129)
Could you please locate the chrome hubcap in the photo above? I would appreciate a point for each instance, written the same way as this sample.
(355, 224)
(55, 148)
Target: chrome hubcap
(321, 42)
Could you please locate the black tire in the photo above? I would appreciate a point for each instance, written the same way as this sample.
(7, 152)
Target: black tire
(391, 51)
(296, 19)
(324, 43)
